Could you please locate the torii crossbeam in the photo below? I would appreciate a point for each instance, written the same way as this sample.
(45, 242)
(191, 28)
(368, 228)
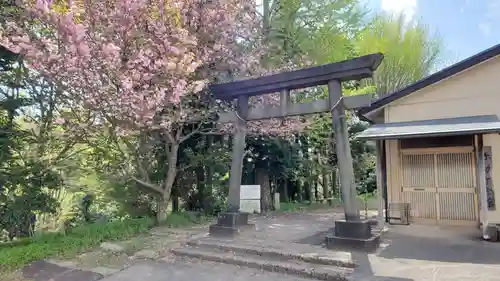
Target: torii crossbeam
(332, 75)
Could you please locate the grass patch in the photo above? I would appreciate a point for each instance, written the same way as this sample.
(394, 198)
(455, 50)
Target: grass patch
(15, 243)
(78, 240)
(84, 238)
(185, 219)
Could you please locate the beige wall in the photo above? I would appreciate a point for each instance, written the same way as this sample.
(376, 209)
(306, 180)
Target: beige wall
(473, 92)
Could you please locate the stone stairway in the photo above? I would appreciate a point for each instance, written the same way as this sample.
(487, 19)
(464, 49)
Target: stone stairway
(288, 258)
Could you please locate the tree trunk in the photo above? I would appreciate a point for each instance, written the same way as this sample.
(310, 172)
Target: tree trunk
(298, 192)
(335, 192)
(316, 191)
(161, 214)
(286, 198)
(265, 189)
(175, 203)
(326, 186)
(161, 209)
(200, 184)
(308, 194)
(208, 194)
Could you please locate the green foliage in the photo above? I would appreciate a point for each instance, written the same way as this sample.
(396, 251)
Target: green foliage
(305, 30)
(79, 239)
(410, 51)
(46, 171)
(185, 219)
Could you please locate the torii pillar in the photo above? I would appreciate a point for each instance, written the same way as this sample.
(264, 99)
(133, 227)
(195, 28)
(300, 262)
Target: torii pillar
(350, 232)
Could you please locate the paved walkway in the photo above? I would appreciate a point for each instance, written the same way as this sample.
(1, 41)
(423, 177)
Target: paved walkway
(421, 253)
(408, 253)
(415, 252)
(196, 271)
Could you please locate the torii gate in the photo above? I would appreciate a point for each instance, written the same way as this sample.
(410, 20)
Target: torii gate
(347, 231)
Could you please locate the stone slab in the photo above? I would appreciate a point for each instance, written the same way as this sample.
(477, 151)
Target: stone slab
(355, 244)
(232, 219)
(250, 205)
(292, 267)
(250, 192)
(147, 254)
(360, 229)
(43, 270)
(243, 218)
(223, 231)
(79, 275)
(284, 251)
(200, 271)
(277, 201)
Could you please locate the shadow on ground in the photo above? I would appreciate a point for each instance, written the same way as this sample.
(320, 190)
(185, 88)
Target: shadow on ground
(441, 250)
(364, 271)
(43, 270)
(315, 239)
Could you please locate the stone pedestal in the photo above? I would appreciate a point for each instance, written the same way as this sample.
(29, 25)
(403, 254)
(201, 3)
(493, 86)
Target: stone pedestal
(492, 233)
(353, 235)
(277, 206)
(229, 224)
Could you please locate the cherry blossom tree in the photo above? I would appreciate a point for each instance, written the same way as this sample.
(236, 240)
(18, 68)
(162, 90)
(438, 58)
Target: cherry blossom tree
(137, 69)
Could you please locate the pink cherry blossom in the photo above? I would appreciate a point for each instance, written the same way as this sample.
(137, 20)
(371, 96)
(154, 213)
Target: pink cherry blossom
(119, 58)
(135, 61)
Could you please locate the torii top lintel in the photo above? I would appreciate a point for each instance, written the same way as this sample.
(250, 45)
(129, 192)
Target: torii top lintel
(352, 69)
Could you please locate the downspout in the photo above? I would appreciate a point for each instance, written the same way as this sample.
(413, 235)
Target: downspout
(384, 180)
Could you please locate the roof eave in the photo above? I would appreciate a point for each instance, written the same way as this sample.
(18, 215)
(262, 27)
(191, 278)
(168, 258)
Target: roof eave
(434, 78)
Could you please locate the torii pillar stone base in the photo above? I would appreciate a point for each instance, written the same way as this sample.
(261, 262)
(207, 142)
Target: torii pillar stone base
(352, 233)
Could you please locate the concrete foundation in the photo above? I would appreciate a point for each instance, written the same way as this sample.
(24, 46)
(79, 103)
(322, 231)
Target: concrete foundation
(229, 224)
(353, 235)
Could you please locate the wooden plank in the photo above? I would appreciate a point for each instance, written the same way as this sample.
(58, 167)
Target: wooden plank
(353, 69)
(294, 109)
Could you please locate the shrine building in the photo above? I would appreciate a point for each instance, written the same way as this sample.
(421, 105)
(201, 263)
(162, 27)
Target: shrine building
(439, 143)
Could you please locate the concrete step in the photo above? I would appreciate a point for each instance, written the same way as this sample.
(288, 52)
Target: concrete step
(292, 267)
(303, 253)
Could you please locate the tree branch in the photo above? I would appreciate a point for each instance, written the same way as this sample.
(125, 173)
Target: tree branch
(148, 185)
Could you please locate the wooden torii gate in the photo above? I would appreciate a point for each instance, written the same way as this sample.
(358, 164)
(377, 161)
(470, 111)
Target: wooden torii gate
(332, 75)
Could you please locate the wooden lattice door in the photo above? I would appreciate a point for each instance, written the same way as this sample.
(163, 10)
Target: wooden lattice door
(440, 184)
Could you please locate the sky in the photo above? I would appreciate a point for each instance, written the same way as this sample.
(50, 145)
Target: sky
(465, 27)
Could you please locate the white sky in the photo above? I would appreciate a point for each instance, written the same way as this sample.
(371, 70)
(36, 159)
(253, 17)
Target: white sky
(407, 7)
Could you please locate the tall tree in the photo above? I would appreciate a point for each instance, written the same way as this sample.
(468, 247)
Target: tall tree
(410, 51)
(306, 31)
(138, 69)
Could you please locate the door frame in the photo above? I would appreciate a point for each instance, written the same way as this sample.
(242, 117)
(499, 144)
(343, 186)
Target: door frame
(435, 151)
